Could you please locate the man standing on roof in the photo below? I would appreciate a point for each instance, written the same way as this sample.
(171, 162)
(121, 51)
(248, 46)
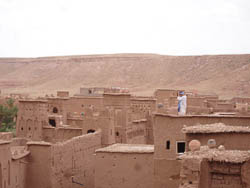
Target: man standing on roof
(182, 103)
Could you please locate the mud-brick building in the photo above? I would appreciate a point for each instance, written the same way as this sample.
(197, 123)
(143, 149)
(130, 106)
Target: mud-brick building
(214, 168)
(231, 137)
(170, 142)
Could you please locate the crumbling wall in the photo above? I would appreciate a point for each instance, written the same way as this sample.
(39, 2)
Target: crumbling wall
(74, 159)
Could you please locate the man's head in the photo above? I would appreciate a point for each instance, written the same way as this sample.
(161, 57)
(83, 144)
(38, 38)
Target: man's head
(181, 93)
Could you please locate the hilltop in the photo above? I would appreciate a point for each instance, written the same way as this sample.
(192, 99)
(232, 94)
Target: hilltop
(225, 75)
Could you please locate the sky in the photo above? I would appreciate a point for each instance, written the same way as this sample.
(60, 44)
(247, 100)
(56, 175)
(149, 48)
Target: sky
(35, 28)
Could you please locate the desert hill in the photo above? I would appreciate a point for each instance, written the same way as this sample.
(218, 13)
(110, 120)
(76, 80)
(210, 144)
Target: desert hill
(226, 75)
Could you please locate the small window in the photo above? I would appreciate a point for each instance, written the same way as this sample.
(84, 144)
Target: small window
(90, 131)
(52, 122)
(168, 144)
(55, 110)
(181, 147)
(117, 133)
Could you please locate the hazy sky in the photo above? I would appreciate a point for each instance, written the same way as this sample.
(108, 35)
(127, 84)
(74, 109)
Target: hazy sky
(31, 28)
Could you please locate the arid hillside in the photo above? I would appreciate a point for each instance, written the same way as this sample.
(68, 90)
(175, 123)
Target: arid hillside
(226, 75)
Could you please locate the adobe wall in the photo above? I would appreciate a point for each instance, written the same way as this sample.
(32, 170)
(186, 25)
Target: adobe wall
(241, 100)
(123, 170)
(51, 134)
(118, 99)
(166, 173)
(237, 141)
(224, 107)
(149, 130)
(74, 158)
(106, 124)
(58, 106)
(19, 164)
(6, 136)
(39, 165)
(137, 133)
(196, 101)
(245, 173)
(161, 94)
(91, 91)
(168, 127)
(32, 116)
(62, 94)
(12, 171)
(120, 103)
(5, 164)
(201, 173)
(143, 106)
(19, 141)
(191, 172)
(225, 175)
(19, 172)
(54, 165)
(78, 104)
(94, 119)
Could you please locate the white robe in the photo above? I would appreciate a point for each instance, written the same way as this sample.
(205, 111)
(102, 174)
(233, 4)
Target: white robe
(183, 104)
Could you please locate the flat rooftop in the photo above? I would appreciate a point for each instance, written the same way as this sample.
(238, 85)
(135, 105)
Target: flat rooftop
(215, 128)
(127, 148)
(206, 115)
(4, 142)
(227, 156)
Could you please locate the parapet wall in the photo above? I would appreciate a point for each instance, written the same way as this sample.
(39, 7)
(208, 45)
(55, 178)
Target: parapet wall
(51, 134)
(74, 158)
(54, 165)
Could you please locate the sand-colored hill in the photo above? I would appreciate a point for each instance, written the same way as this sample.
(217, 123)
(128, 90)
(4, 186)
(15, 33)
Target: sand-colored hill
(226, 75)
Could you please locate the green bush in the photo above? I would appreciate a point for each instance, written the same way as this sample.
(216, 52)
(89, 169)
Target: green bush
(8, 115)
